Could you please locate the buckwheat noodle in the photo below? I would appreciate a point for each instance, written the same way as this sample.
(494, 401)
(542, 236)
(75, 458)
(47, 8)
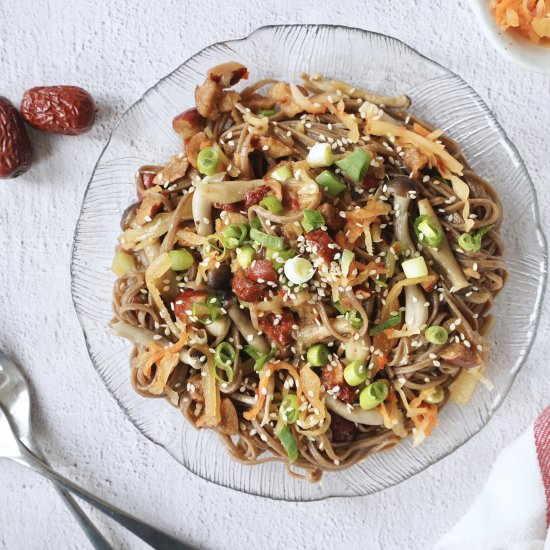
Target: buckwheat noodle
(225, 336)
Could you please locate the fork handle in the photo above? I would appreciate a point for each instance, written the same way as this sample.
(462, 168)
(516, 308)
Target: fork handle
(154, 537)
(97, 540)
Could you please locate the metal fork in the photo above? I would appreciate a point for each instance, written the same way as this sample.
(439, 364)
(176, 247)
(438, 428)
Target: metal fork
(16, 443)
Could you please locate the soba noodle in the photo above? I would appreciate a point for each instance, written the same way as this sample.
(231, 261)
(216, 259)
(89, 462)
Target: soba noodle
(322, 361)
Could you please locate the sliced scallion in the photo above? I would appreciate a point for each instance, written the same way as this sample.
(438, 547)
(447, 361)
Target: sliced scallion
(317, 355)
(355, 373)
(207, 161)
(415, 267)
(223, 360)
(260, 358)
(122, 263)
(282, 173)
(373, 395)
(428, 231)
(234, 235)
(330, 183)
(269, 241)
(289, 444)
(472, 243)
(245, 255)
(435, 396)
(209, 311)
(436, 335)
(288, 411)
(356, 164)
(388, 323)
(273, 204)
(320, 155)
(312, 220)
(298, 270)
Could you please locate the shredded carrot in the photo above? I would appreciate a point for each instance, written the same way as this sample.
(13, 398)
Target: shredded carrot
(160, 352)
(340, 239)
(268, 370)
(527, 18)
(419, 129)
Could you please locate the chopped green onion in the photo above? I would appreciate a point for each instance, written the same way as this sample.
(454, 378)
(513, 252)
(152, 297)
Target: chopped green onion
(317, 355)
(320, 155)
(280, 257)
(288, 411)
(260, 358)
(122, 263)
(473, 243)
(436, 396)
(234, 235)
(223, 359)
(390, 260)
(388, 323)
(282, 173)
(355, 373)
(255, 223)
(245, 255)
(415, 267)
(355, 165)
(345, 261)
(207, 161)
(339, 308)
(214, 246)
(436, 335)
(267, 112)
(354, 319)
(299, 270)
(312, 220)
(181, 259)
(207, 312)
(273, 204)
(373, 395)
(288, 443)
(269, 241)
(428, 231)
(332, 184)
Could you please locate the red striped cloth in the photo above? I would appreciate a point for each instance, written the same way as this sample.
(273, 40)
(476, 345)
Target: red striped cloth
(542, 443)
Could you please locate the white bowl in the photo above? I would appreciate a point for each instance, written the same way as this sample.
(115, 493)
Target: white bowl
(518, 50)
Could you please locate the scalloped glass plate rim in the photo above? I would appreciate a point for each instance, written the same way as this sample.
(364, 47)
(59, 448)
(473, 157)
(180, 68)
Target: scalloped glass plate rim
(514, 155)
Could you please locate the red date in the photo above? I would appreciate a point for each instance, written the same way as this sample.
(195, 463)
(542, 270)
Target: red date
(67, 110)
(333, 377)
(245, 289)
(278, 327)
(261, 271)
(187, 124)
(342, 429)
(322, 242)
(15, 146)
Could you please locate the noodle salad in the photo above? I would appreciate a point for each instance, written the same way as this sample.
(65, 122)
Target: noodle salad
(311, 275)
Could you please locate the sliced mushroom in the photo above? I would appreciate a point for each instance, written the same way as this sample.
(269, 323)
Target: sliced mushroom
(202, 212)
(416, 314)
(355, 414)
(243, 323)
(219, 278)
(443, 255)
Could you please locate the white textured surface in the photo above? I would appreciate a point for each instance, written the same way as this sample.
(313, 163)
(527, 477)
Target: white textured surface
(118, 50)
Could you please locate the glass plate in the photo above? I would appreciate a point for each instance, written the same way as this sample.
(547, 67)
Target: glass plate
(375, 62)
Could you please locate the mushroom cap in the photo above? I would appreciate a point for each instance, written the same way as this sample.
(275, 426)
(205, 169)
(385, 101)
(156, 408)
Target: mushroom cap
(400, 186)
